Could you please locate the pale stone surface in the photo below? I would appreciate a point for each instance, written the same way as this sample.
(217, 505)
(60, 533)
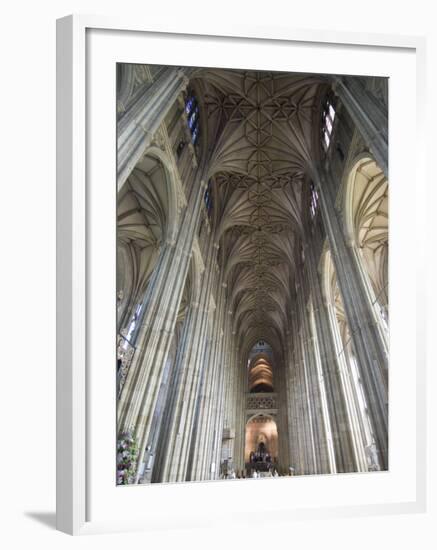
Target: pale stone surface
(252, 258)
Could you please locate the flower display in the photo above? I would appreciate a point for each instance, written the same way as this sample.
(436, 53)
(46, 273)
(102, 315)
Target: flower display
(127, 456)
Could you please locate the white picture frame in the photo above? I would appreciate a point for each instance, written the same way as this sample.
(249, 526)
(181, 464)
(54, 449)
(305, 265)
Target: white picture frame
(76, 312)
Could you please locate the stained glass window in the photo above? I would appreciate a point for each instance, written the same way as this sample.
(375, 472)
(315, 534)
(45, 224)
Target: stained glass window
(192, 112)
(189, 104)
(328, 116)
(314, 200)
(194, 135)
(208, 198)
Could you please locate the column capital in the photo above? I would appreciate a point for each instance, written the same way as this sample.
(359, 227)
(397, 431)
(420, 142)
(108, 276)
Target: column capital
(336, 82)
(349, 241)
(185, 80)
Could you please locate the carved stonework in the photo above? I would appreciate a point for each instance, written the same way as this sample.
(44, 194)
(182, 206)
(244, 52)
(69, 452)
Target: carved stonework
(379, 88)
(266, 114)
(159, 139)
(264, 401)
(125, 353)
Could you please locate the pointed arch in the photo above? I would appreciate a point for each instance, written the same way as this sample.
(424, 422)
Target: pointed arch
(366, 205)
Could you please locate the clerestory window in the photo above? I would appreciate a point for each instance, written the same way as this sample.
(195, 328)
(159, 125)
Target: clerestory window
(314, 200)
(328, 117)
(208, 198)
(192, 112)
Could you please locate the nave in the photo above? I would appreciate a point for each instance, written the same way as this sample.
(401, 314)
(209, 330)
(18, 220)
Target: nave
(252, 274)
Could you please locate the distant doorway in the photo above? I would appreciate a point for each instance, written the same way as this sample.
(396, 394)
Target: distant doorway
(261, 449)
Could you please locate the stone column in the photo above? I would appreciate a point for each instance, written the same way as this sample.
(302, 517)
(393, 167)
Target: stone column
(211, 393)
(219, 393)
(368, 114)
(218, 424)
(336, 402)
(304, 415)
(223, 384)
(370, 349)
(203, 416)
(297, 421)
(315, 408)
(292, 407)
(240, 408)
(160, 309)
(222, 399)
(136, 127)
(283, 427)
(189, 367)
(300, 413)
(195, 450)
(290, 372)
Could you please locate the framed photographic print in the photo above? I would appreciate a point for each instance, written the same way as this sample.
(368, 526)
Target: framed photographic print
(237, 324)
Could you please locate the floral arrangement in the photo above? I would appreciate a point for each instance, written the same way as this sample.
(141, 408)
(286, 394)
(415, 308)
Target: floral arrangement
(127, 456)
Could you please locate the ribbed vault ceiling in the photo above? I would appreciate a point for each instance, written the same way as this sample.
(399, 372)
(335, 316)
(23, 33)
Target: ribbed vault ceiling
(260, 134)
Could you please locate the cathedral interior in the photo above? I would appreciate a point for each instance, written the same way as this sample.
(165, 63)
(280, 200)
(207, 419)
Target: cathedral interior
(252, 274)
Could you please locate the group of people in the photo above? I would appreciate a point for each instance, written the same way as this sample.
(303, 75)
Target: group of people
(271, 473)
(257, 456)
(232, 474)
(253, 473)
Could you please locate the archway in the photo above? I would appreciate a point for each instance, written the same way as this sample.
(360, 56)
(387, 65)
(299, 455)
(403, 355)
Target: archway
(261, 443)
(145, 220)
(356, 402)
(143, 223)
(366, 218)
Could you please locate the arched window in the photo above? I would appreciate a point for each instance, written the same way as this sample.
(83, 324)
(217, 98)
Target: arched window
(208, 198)
(314, 200)
(192, 112)
(130, 331)
(328, 117)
